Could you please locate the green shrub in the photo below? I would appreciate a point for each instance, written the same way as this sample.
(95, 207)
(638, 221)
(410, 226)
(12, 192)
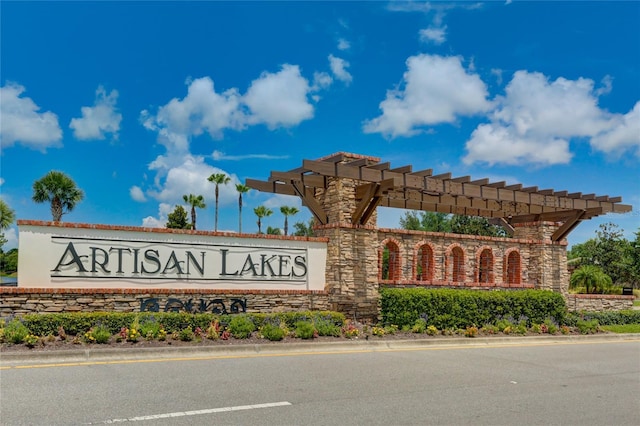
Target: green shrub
(453, 308)
(272, 332)
(420, 326)
(327, 327)
(305, 330)
(588, 327)
(186, 334)
(150, 328)
(99, 334)
(432, 330)
(241, 326)
(16, 332)
(605, 318)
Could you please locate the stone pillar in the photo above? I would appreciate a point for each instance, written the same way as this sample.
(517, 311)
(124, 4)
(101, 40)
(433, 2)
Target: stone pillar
(547, 267)
(352, 257)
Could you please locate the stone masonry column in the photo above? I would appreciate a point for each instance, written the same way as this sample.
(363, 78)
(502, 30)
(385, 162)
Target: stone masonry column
(352, 258)
(547, 267)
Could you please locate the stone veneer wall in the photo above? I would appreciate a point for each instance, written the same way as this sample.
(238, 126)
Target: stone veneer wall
(16, 300)
(598, 302)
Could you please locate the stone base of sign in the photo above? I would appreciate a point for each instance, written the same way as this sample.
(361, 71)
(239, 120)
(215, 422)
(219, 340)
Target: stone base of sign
(598, 302)
(21, 301)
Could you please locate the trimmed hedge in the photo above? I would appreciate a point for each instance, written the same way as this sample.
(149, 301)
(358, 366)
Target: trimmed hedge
(78, 323)
(453, 309)
(605, 318)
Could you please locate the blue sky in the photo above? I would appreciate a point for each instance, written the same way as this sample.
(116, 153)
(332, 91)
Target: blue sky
(139, 102)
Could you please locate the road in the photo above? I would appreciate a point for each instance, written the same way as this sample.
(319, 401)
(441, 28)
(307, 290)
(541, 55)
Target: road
(584, 383)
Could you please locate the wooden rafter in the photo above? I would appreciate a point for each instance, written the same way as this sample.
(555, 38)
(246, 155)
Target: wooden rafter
(382, 185)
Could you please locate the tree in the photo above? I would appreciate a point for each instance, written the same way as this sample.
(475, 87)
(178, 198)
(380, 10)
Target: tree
(610, 252)
(194, 201)
(261, 211)
(218, 179)
(288, 211)
(58, 189)
(457, 224)
(273, 231)
(242, 189)
(177, 219)
(7, 216)
(592, 278)
(303, 229)
(9, 261)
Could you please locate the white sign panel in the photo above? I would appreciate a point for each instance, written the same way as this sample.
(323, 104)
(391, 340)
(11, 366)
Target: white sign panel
(66, 255)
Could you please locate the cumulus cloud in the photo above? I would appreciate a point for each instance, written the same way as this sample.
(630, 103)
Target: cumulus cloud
(339, 69)
(189, 175)
(435, 35)
(623, 135)
(220, 156)
(536, 119)
(279, 99)
(436, 90)
(12, 238)
(22, 123)
(343, 44)
(136, 194)
(161, 221)
(100, 119)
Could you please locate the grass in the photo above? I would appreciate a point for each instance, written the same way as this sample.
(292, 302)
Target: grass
(622, 328)
(636, 303)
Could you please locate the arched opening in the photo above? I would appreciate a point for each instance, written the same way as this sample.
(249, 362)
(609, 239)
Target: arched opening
(485, 266)
(390, 262)
(513, 268)
(425, 263)
(457, 264)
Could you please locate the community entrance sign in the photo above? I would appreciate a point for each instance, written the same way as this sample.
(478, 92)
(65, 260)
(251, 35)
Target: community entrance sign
(61, 255)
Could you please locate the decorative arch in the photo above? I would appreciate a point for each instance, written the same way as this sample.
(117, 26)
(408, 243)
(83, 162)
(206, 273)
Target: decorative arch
(454, 266)
(512, 266)
(484, 265)
(389, 260)
(424, 261)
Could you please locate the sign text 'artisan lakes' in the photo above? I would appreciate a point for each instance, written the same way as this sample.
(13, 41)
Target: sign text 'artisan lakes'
(89, 258)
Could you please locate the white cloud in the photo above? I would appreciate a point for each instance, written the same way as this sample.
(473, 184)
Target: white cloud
(321, 80)
(1, 181)
(497, 72)
(279, 99)
(189, 175)
(339, 69)
(99, 119)
(136, 194)
(220, 156)
(622, 136)
(343, 44)
(607, 85)
(536, 119)
(161, 221)
(21, 122)
(435, 35)
(437, 90)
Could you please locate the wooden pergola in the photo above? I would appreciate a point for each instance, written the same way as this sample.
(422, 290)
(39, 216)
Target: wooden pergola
(401, 187)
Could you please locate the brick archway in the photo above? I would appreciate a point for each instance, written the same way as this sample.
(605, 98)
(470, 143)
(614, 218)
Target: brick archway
(389, 269)
(484, 272)
(423, 268)
(454, 264)
(512, 269)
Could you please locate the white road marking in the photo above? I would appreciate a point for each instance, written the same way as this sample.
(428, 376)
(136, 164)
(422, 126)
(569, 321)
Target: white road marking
(199, 412)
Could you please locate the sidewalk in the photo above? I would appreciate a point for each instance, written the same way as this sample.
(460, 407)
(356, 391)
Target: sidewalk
(132, 354)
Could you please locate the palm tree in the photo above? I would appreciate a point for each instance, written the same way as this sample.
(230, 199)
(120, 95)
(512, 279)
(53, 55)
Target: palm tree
(261, 211)
(7, 216)
(288, 211)
(242, 189)
(218, 179)
(194, 201)
(58, 189)
(591, 278)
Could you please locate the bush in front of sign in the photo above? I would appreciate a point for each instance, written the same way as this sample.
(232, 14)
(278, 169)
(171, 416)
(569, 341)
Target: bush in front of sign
(305, 330)
(241, 326)
(272, 332)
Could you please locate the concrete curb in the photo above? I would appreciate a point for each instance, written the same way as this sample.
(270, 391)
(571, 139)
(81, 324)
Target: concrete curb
(95, 354)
